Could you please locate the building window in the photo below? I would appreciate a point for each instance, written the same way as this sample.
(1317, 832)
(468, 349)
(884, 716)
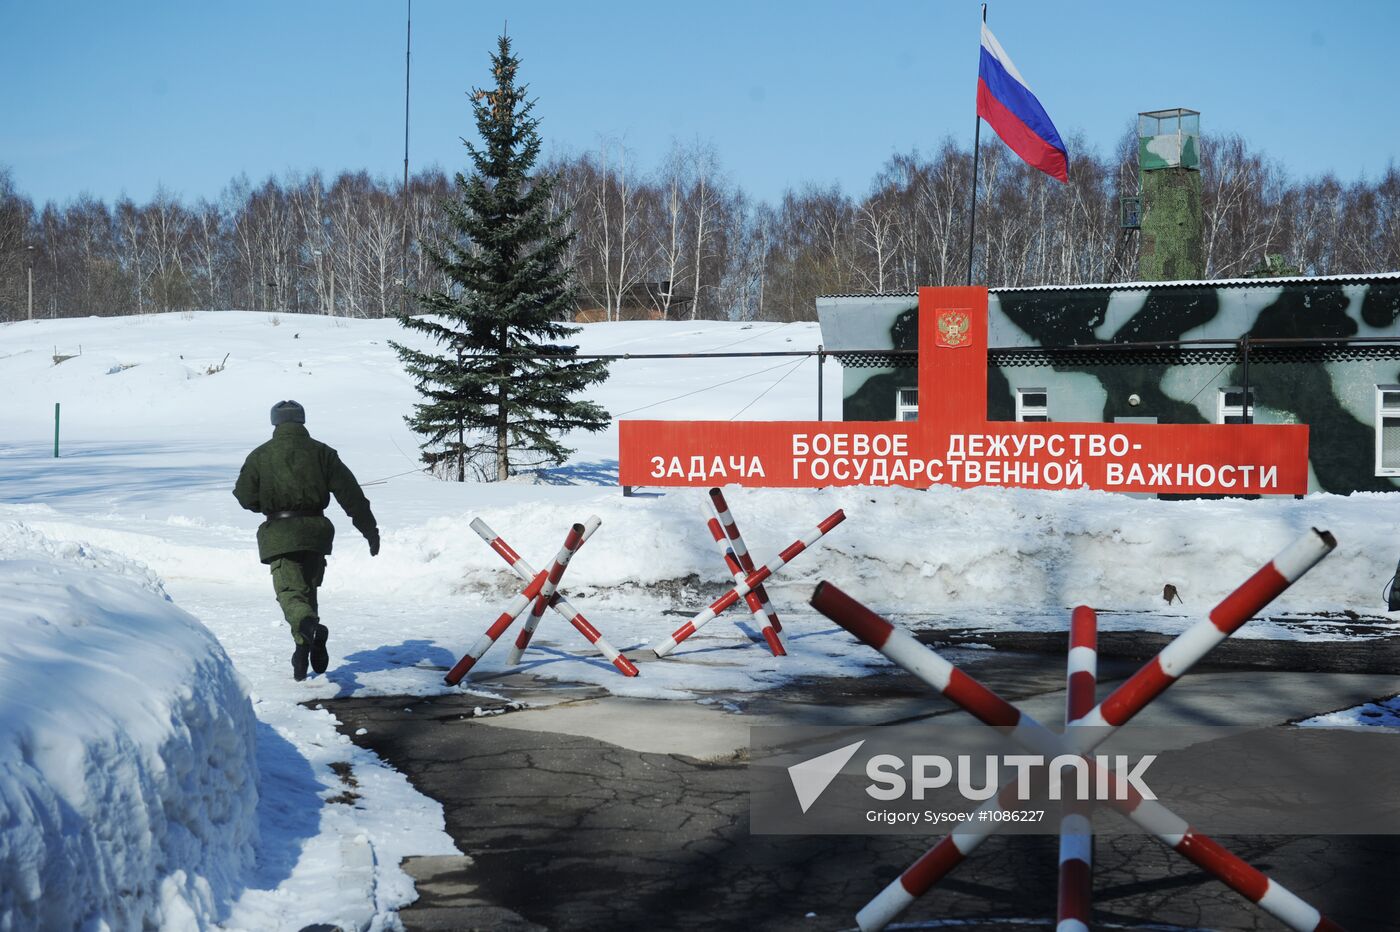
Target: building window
(1229, 406)
(1388, 430)
(1032, 404)
(906, 404)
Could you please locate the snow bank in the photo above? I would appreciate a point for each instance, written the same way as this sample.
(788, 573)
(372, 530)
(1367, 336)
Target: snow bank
(128, 781)
(937, 551)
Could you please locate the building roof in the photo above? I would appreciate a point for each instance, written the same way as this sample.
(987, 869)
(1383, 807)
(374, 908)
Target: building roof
(1353, 279)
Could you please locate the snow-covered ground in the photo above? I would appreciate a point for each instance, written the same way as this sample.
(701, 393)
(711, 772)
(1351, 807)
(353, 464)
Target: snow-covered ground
(158, 413)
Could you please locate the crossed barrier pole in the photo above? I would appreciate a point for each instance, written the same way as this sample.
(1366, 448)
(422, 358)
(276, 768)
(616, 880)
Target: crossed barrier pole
(541, 592)
(749, 584)
(547, 591)
(771, 634)
(735, 554)
(1172, 662)
(1076, 887)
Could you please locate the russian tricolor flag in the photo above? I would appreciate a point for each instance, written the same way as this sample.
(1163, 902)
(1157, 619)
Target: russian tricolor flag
(1009, 107)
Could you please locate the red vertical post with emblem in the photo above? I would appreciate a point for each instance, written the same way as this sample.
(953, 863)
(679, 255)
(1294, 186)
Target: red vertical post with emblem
(952, 360)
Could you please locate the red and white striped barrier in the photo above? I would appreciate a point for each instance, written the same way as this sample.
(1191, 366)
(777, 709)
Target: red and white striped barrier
(1074, 911)
(516, 608)
(559, 602)
(928, 665)
(1154, 678)
(1196, 641)
(751, 599)
(1082, 674)
(748, 585)
(939, 860)
(546, 595)
(1176, 833)
(741, 552)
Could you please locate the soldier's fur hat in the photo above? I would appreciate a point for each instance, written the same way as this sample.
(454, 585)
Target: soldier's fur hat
(288, 412)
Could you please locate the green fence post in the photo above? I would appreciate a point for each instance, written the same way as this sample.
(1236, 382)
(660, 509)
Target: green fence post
(55, 430)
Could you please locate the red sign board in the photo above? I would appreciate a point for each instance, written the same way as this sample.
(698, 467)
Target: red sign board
(953, 443)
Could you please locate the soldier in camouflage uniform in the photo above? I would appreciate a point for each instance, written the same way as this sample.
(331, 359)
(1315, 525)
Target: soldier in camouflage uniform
(290, 479)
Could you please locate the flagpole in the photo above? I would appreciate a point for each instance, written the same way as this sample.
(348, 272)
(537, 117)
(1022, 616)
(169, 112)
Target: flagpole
(976, 156)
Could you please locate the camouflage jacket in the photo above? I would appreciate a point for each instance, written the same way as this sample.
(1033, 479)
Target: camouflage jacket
(293, 472)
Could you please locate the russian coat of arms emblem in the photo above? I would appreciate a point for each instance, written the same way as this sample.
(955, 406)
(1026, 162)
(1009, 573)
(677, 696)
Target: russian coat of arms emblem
(953, 329)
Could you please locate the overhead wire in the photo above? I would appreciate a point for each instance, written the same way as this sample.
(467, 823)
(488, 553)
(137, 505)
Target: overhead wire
(394, 476)
(707, 388)
(768, 389)
(1209, 382)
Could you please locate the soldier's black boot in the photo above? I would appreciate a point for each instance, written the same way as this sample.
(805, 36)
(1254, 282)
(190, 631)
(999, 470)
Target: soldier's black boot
(306, 646)
(319, 658)
(299, 661)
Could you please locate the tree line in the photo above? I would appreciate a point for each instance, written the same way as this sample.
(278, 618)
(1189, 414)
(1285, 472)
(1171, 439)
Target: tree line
(680, 237)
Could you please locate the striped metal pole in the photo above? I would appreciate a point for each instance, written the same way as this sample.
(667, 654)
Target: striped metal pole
(1237, 874)
(982, 703)
(928, 665)
(731, 562)
(512, 612)
(939, 861)
(1075, 908)
(1196, 641)
(497, 628)
(1123, 703)
(522, 568)
(556, 572)
(595, 637)
(741, 551)
(663, 648)
(985, 705)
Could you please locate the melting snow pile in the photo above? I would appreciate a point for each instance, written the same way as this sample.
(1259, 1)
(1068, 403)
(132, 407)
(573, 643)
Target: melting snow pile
(939, 551)
(1382, 712)
(128, 782)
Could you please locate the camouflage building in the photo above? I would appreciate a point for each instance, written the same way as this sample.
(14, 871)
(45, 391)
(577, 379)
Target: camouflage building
(1321, 351)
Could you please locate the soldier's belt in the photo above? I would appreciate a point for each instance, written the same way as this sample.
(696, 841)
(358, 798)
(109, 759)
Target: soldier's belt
(275, 515)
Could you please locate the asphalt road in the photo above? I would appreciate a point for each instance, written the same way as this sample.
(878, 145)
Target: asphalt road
(615, 826)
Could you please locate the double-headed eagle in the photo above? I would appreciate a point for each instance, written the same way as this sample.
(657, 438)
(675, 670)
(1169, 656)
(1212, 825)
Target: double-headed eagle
(953, 327)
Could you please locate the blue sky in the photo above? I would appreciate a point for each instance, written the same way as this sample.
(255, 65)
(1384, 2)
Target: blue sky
(118, 97)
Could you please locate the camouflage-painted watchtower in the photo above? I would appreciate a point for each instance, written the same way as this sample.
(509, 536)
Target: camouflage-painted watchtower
(1169, 166)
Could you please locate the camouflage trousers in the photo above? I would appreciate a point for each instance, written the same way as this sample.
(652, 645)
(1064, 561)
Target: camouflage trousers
(295, 578)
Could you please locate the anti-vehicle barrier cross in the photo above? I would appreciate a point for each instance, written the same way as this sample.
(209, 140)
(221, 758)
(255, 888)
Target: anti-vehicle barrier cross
(725, 531)
(748, 584)
(1122, 704)
(541, 592)
(770, 633)
(560, 603)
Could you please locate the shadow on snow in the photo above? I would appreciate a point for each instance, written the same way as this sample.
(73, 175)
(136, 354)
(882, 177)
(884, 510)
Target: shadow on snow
(599, 472)
(289, 808)
(390, 657)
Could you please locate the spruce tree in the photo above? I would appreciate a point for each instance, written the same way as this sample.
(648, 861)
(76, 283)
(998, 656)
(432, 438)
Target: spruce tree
(512, 291)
